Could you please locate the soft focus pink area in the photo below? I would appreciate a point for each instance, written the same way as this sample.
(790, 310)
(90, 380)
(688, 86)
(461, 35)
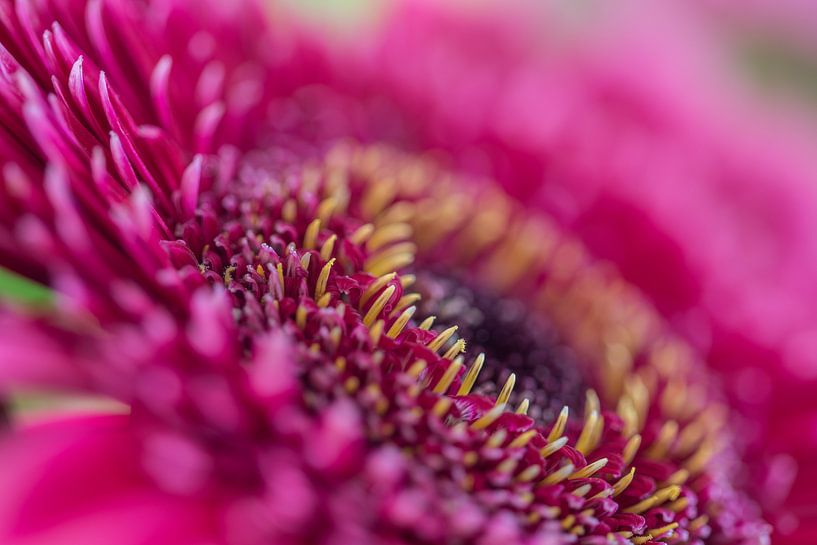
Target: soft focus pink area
(634, 132)
(77, 480)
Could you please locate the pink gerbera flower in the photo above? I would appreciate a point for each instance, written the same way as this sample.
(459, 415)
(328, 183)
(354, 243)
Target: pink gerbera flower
(305, 321)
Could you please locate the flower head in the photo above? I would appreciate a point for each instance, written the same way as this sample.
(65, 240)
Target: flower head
(312, 334)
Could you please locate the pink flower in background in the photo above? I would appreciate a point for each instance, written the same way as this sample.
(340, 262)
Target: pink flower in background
(340, 292)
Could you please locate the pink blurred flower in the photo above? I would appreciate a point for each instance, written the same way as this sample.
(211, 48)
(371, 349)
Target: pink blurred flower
(223, 259)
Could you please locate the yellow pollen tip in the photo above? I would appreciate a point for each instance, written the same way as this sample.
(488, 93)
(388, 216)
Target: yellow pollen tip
(311, 235)
(326, 208)
(552, 447)
(663, 530)
(507, 390)
(557, 476)
(427, 323)
(305, 259)
(529, 473)
(457, 348)
(300, 317)
(448, 377)
(559, 426)
(400, 323)
(405, 301)
(523, 439)
(376, 286)
(631, 448)
(289, 211)
(488, 418)
(376, 331)
(584, 443)
(622, 484)
(582, 491)
(523, 407)
(323, 279)
(377, 306)
(416, 369)
(280, 269)
(590, 469)
(328, 247)
(361, 234)
(669, 493)
(387, 234)
(440, 339)
(471, 377)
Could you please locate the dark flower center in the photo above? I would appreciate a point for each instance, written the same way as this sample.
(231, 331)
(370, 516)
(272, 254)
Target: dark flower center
(514, 340)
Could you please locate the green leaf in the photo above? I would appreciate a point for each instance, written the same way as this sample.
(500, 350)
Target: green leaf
(19, 289)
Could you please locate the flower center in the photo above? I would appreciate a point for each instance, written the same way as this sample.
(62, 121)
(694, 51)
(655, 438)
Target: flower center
(317, 248)
(514, 340)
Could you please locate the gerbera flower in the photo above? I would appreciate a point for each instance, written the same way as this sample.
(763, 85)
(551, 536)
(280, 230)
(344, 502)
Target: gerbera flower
(303, 324)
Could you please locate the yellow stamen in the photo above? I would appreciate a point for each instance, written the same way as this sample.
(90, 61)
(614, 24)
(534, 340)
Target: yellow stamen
(559, 427)
(622, 484)
(388, 234)
(591, 402)
(523, 407)
(582, 490)
(407, 280)
(523, 439)
(471, 376)
(458, 347)
(679, 477)
(679, 505)
(427, 323)
(631, 448)
(361, 234)
(660, 532)
(305, 259)
(300, 317)
(376, 331)
(557, 476)
(448, 377)
(311, 235)
(584, 443)
(377, 306)
(400, 323)
(323, 278)
(488, 418)
(507, 390)
(552, 447)
(280, 268)
(289, 211)
(699, 522)
(326, 208)
(662, 495)
(375, 287)
(667, 434)
(389, 261)
(441, 406)
(416, 369)
(589, 469)
(328, 247)
(497, 439)
(405, 301)
(441, 339)
(529, 473)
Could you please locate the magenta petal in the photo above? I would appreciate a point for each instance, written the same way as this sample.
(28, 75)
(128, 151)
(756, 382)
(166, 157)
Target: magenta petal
(77, 480)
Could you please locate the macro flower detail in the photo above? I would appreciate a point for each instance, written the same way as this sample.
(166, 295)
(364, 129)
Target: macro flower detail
(305, 338)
